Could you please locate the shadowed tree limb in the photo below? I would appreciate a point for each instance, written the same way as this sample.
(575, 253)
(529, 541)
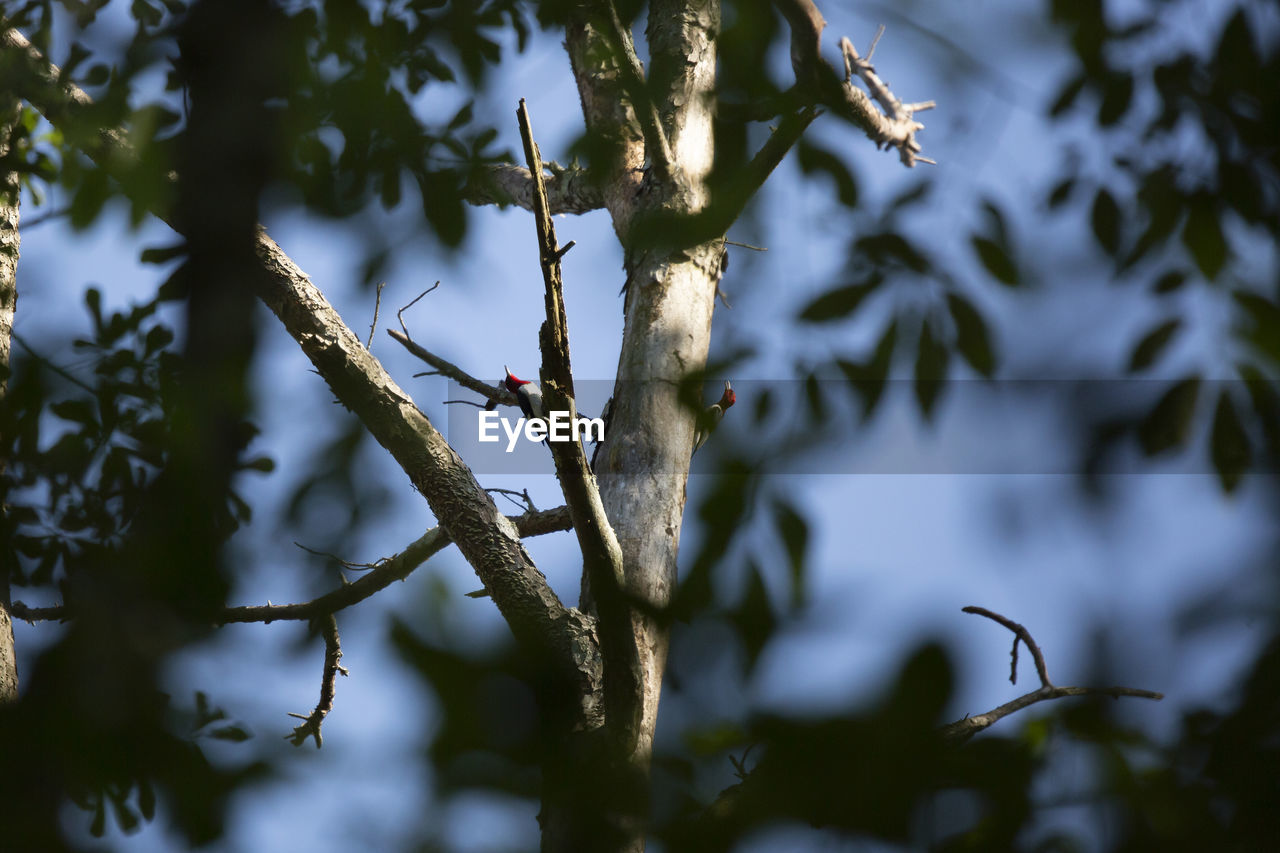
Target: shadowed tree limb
(384, 573)
(961, 730)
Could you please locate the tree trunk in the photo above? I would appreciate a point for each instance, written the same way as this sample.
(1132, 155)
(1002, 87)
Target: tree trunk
(670, 296)
(9, 242)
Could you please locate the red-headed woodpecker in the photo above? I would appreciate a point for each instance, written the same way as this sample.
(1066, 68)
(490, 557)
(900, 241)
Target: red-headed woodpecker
(712, 415)
(528, 395)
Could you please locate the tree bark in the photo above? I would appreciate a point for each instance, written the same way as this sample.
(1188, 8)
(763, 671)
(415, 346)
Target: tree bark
(670, 287)
(9, 244)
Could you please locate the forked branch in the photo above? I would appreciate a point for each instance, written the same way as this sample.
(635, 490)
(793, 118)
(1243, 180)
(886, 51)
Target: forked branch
(961, 730)
(891, 125)
(310, 726)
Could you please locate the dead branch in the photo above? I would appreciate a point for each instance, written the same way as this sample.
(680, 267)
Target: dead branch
(377, 306)
(601, 553)
(383, 574)
(962, 730)
(310, 726)
(891, 125)
(492, 393)
(1019, 634)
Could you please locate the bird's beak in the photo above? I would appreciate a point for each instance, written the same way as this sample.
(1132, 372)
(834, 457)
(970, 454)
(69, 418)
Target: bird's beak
(727, 386)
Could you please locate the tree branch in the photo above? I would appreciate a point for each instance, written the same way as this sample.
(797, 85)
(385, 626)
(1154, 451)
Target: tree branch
(485, 537)
(328, 685)
(601, 553)
(962, 730)
(819, 82)
(386, 572)
(569, 188)
(1019, 634)
(492, 393)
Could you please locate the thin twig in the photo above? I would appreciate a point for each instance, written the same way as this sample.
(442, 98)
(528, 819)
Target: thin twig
(1020, 633)
(377, 305)
(492, 393)
(729, 242)
(310, 726)
(512, 494)
(400, 313)
(346, 564)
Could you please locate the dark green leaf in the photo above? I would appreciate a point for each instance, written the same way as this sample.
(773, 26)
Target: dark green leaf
(813, 158)
(96, 75)
(232, 733)
(838, 303)
(996, 260)
(1263, 326)
(891, 246)
(1117, 94)
(1067, 96)
(794, 532)
(1169, 423)
(1105, 219)
(972, 339)
(146, 799)
(1202, 235)
(158, 337)
(163, 254)
(1059, 195)
(754, 617)
(911, 195)
(265, 464)
(98, 826)
(1229, 444)
(93, 300)
(1170, 281)
(1153, 343)
(77, 411)
(931, 369)
(868, 379)
(125, 816)
(462, 117)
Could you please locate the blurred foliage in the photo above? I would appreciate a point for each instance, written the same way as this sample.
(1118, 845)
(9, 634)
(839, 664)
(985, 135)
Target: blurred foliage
(1185, 200)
